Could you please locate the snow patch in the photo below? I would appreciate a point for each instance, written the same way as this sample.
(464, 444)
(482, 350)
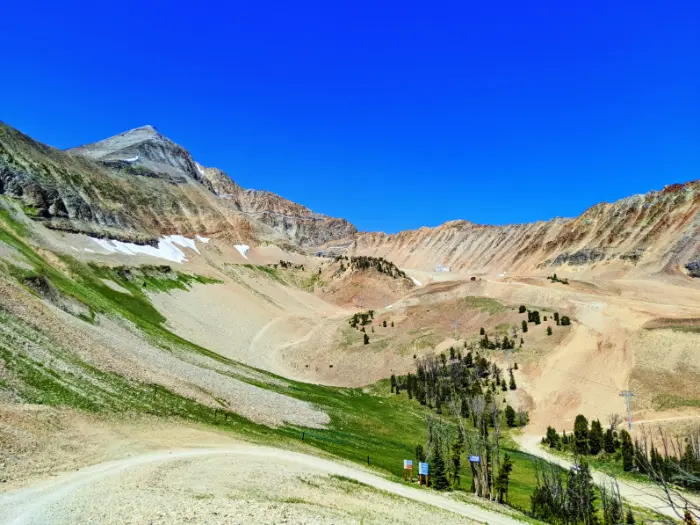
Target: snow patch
(184, 242)
(242, 249)
(416, 281)
(205, 240)
(132, 159)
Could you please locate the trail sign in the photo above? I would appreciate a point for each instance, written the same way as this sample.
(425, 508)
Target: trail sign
(422, 468)
(407, 464)
(474, 459)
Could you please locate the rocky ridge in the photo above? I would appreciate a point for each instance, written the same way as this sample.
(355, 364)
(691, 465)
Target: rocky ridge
(139, 185)
(659, 230)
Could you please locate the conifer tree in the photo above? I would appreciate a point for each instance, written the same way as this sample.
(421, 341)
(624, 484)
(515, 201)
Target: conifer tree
(439, 477)
(581, 435)
(510, 416)
(549, 330)
(595, 437)
(609, 441)
(367, 340)
(512, 384)
(627, 451)
(524, 325)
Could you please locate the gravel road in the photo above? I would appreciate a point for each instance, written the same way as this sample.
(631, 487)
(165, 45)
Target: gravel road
(205, 486)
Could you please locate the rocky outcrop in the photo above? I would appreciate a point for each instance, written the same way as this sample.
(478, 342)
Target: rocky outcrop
(693, 267)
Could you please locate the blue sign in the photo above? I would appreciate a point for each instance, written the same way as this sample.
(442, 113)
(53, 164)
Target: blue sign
(474, 459)
(422, 468)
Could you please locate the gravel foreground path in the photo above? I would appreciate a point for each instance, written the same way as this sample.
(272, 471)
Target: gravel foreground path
(56, 500)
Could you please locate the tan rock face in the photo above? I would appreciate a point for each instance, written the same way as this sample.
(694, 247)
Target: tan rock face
(659, 231)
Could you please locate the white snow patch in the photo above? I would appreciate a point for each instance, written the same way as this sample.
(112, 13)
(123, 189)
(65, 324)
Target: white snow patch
(416, 281)
(132, 159)
(242, 249)
(74, 248)
(205, 240)
(166, 249)
(89, 250)
(199, 169)
(184, 242)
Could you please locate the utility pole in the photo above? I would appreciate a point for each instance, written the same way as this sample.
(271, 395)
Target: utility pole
(627, 394)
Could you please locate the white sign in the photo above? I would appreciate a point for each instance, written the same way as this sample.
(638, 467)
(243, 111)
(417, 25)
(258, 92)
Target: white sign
(407, 464)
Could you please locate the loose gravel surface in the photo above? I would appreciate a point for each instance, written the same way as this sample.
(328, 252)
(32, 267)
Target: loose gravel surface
(231, 484)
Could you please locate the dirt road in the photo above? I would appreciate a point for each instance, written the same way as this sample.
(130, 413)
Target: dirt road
(125, 491)
(639, 494)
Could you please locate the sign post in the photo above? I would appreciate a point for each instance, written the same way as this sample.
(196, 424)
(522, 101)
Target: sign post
(408, 469)
(422, 473)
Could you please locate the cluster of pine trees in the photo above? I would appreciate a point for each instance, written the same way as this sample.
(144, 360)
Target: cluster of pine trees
(569, 497)
(442, 381)
(362, 318)
(288, 265)
(679, 462)
(556, 279)
(378, 263)
(496, 343)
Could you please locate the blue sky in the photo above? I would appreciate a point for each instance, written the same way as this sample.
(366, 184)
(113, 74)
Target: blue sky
(393, 115)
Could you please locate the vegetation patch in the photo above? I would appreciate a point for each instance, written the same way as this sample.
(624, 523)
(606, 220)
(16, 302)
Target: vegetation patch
(485, 304)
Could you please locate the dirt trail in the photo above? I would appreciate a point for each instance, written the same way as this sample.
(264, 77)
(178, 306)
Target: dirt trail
(639, 494)
(41, 503)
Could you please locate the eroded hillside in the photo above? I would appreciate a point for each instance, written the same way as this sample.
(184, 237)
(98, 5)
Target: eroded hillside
(640, 235)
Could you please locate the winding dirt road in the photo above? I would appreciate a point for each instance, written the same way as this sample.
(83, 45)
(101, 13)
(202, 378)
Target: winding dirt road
(46, 502)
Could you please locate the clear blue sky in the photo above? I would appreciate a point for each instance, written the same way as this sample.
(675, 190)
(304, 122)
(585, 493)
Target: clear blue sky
(393, 115)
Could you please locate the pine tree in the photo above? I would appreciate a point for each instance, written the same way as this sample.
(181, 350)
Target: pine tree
(510, 416)
(393, 383)
(581, 435)
(549, 330)
(392, 324)
(522, 309)
(367, 340)
(595, 438)
(581, 495)
(627, 451)
(629, 520)
(482, 331)
(524, 325)
(420, 454)
(552, 438)
(440, 481)
(384, 323)
(503, 479)
(609, 441)
(456, 460)
(512, 384)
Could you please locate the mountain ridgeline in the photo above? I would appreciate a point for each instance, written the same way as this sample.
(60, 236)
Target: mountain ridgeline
(140, 185)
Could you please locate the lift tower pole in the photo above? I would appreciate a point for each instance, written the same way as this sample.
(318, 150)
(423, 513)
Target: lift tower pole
(627, 394)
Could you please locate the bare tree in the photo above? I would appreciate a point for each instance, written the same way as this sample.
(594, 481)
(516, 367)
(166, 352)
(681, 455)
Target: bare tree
(614, 421)
(670, 474)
